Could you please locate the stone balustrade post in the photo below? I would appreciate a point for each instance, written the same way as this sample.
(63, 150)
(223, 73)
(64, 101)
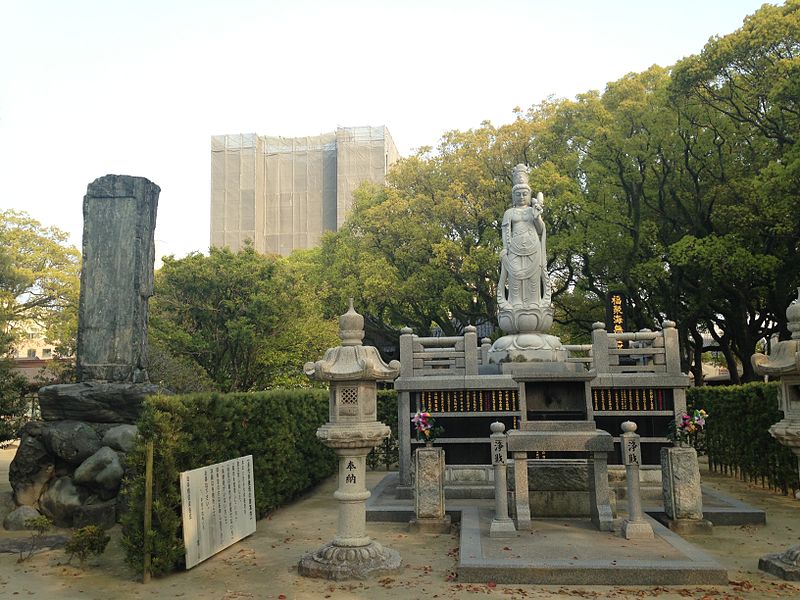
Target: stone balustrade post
(403, 404)
(672, 348)
(502, 525)
(470, 350)
(406, 352)
(635, 526)
(600, 347)
(486, 345)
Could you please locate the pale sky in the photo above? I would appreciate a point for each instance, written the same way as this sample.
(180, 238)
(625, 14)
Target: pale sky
(138, 87)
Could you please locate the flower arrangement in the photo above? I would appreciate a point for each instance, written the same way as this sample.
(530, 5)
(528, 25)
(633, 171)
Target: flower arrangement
(426, 427)
(689, 425)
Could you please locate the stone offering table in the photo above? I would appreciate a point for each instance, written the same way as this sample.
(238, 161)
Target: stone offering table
(563, 436)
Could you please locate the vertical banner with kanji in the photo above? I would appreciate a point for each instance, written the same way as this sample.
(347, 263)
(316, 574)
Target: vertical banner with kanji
(616, 317)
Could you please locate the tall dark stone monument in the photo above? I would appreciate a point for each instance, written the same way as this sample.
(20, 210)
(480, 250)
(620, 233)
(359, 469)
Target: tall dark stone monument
(69, 466)
(119, 219)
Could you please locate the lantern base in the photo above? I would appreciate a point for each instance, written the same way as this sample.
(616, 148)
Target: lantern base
(341, 562)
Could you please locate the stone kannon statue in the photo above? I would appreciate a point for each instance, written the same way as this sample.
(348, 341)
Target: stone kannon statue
(524, 310)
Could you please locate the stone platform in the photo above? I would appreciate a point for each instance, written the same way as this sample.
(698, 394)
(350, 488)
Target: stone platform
(571, 551)
(392, 502)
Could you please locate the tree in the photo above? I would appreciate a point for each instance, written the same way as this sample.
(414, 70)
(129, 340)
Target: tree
(41, 284)
(680, 186)
(12, 385)
(423, 250)
(247, 320)
(750, 79)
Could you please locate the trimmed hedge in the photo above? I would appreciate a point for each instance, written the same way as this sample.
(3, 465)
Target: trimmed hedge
(386, 455)
(277, 427)
(737, 437)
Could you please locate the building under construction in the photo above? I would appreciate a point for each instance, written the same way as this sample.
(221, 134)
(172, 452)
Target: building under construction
(283, 193)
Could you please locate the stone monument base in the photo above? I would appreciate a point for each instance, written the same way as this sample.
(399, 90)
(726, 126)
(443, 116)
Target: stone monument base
(690, 526)
(637, 530)
(340, 563)
(502, 528)
(96, 401)
(527, 347)
(429, 525)
(785, 565)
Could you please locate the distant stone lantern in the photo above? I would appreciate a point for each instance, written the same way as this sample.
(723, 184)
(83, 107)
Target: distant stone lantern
(784, 363)
(352, 370)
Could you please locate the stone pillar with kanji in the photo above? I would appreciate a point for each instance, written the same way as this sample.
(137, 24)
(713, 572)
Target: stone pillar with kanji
(502, 525)
(636, 525)
(352, 371)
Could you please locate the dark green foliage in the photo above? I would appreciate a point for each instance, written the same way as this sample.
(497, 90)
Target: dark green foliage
(737, 435)
(177, 373)
(85, 542)
(13, 404)
(277, 427)
(387, 454)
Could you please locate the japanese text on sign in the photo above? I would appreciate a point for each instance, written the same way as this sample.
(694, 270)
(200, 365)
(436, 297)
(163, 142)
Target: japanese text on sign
(616, 314)
(218, 507)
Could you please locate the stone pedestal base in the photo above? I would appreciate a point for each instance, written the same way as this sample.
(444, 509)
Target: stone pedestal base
(96, 401)
(637, 530)
(502, 528)
(527, 347)
(340, 562)
(691, 526)
(785, 565)
(430, 525)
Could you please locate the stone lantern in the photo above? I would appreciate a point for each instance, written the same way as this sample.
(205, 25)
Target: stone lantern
(352, 370)
(784, 362)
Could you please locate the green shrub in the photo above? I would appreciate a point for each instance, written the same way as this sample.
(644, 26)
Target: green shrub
(86, 541)
(277, 427)
(737, 437)
(38, 526)
(387, 454)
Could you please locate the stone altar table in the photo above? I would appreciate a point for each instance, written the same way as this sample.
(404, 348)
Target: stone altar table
(563, 436)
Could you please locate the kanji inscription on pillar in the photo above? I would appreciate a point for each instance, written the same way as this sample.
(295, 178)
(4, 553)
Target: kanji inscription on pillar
(631, 451)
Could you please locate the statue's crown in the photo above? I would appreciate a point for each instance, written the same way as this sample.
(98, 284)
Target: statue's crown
(519, 175)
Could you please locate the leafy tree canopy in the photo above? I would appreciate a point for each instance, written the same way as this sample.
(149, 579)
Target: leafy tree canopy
(679, 186)
(40, 279)
(248, 321)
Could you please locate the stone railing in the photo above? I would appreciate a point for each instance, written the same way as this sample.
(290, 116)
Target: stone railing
(450, 355)
(646, 352)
